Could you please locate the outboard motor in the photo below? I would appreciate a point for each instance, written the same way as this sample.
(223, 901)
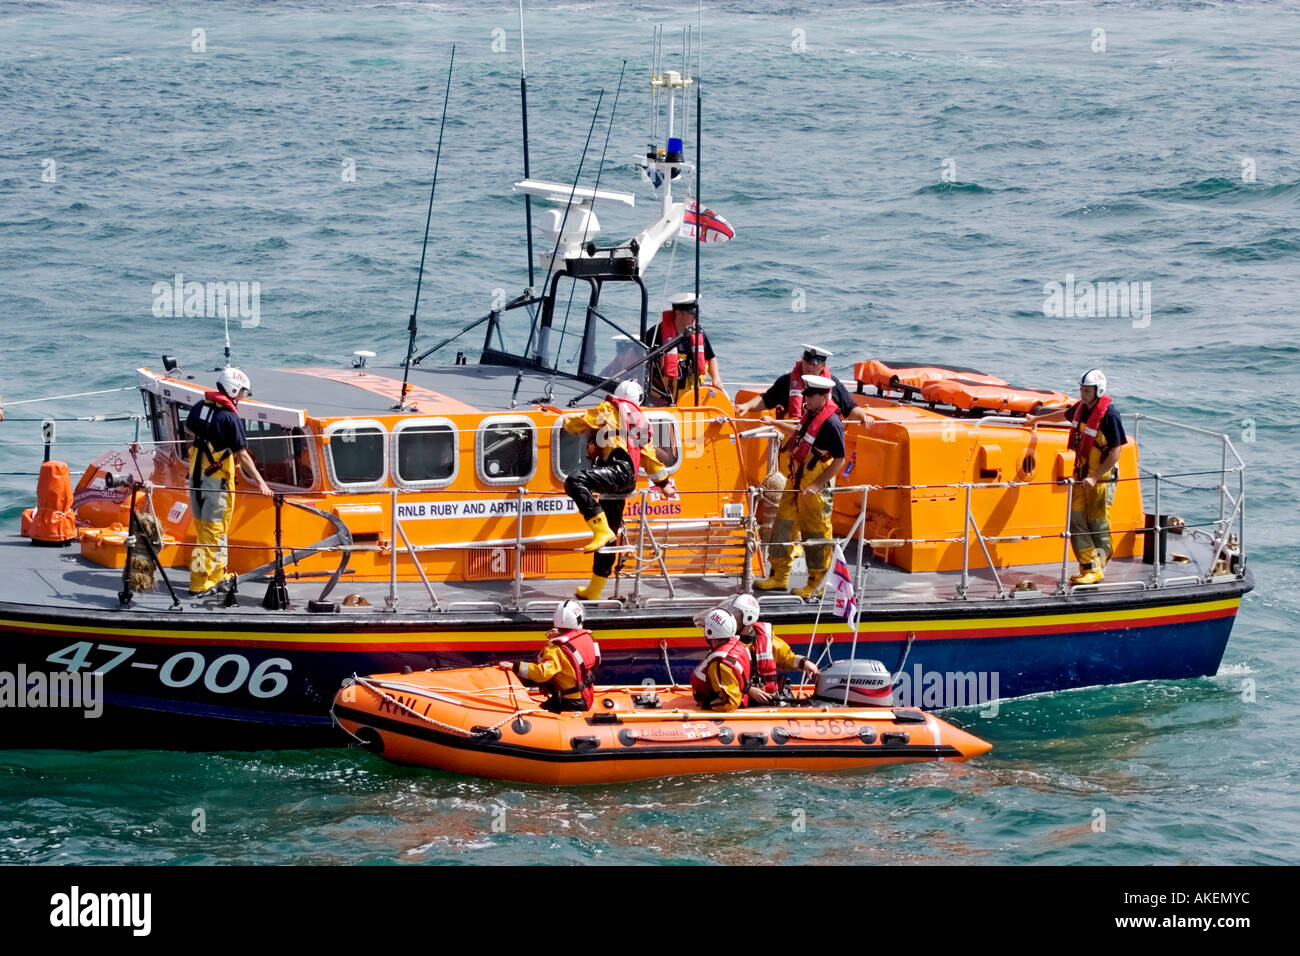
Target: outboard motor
(870, 684)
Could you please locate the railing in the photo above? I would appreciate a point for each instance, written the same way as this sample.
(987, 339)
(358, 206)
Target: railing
(678, 549)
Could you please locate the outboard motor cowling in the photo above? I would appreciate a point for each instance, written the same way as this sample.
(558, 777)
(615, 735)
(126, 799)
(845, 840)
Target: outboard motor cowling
(869, 683)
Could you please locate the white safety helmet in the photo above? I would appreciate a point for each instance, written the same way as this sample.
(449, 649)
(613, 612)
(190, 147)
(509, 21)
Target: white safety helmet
(231, 380)
(1096, 378)
(719, 625)
(568, 615)
(630, 390)
(746, 606)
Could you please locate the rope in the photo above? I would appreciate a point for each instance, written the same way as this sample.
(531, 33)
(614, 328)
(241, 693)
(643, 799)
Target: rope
(55, 398)
(663, 649)
(365, 682)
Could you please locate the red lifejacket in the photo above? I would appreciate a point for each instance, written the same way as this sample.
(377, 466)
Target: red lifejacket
(765, 672)
(667, 332)
(800, 445)
(794, 408)
(203, 438)
(1082, 438)
(733, 654)
(220, 398)
(634, 428)
(583, 654)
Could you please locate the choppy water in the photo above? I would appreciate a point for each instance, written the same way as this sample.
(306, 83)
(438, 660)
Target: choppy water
(1122, 165)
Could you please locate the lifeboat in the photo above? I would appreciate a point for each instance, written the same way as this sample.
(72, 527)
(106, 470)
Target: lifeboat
(911, 378)
(969, 394)
(484, 722)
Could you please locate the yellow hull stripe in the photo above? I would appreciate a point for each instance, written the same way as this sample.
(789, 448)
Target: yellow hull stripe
(832, 626)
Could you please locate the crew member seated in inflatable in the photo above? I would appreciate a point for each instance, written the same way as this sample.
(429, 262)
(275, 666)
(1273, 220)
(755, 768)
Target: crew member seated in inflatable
(677, 373)
(786, 393)
(722, 678)
(1097, 437)
(618, 443)
(769, 654)
(566, 665)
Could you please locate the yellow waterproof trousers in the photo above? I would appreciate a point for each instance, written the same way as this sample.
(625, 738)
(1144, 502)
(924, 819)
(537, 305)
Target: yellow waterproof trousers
(1090, 523)
(802, 517)
(212, 507)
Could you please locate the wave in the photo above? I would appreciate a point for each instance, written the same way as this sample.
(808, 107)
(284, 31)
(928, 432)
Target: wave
(1219, 189)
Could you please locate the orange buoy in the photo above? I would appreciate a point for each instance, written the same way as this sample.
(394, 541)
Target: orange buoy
(52, 522)
(482, 721)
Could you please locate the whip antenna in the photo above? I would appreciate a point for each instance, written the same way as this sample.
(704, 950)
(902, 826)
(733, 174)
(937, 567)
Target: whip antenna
(424, 249)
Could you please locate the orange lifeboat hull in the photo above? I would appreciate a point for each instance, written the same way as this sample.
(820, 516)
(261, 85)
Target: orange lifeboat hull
(484, 722)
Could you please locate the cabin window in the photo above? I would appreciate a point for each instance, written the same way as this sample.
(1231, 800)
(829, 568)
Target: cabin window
(358, 453)
(426, 452)
(569, 451)
(282, 455)
(506, 452)
(665, 432)
(155, 413)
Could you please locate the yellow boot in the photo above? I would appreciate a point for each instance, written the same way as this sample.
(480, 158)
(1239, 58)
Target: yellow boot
(814, 585)
(600, 533)
(593, 589)
(1092, 576)
(777, 582)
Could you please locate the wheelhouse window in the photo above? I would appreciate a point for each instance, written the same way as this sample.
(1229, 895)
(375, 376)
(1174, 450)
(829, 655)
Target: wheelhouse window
(569, 451)
(282, 455)
(425, 452)
(506, 452)
(357, 453)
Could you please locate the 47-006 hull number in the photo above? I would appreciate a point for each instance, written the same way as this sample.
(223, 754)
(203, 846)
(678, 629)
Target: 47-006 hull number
(222, 675)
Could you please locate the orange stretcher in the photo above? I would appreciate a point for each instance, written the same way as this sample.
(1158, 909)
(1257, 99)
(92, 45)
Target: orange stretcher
(968, 394)
(483, 721)
(910, 378)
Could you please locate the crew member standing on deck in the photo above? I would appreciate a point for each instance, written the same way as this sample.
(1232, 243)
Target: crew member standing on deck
(678, 372)
(566, 665)
(721, 680)
(786, 393)
(219, 447)
(814, 456)
(769, 654)
(1097, 437)
(618, 443)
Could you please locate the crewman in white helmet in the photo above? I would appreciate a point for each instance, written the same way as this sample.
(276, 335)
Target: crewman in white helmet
(567, 663)
(219, 447)
(618, 444)
(721, 680)
(770, 655)
(1097, 437)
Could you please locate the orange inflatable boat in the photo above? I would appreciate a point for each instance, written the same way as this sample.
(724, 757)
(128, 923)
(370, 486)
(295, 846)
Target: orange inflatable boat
(483, 721)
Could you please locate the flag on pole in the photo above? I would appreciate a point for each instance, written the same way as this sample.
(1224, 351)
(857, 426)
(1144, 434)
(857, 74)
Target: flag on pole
(841, 582)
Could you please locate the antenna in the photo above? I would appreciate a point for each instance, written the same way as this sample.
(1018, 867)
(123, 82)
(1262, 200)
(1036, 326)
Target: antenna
(699, 205)
(554, 252)
(523, 113)
(424, 249)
